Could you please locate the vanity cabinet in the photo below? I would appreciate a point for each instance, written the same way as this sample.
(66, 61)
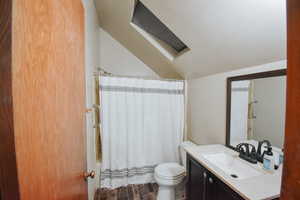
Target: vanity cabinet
(203, 185)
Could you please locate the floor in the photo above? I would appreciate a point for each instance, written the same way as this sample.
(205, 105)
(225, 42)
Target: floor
(134, 192)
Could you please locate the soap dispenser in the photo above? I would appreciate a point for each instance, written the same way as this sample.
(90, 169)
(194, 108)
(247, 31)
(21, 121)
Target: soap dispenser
(268, 159)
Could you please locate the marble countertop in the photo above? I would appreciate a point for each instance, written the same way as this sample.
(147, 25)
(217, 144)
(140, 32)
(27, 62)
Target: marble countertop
(263, 187)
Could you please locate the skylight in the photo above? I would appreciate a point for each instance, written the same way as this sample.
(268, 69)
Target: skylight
(146, 20)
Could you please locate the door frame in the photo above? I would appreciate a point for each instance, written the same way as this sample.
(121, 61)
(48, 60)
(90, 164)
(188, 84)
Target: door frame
(9, 186)
(291, 173)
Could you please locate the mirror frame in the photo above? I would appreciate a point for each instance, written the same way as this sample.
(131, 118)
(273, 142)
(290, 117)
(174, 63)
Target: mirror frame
(268, 74)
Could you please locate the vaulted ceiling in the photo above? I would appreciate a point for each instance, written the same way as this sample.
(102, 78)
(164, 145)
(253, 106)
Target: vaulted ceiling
(222, 35)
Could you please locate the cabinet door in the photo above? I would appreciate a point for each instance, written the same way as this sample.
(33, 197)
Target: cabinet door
(223, 192)
(197, 178)
(211, 187)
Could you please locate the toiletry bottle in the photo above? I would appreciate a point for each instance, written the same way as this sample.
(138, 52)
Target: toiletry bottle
(268, 159)
(278, 158)
(281, 156)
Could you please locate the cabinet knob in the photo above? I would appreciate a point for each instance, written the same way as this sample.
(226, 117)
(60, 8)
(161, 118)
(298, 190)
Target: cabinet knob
(204, 174)
(211, 180)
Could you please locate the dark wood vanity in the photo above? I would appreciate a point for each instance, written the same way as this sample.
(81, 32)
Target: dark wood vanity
(203, 185)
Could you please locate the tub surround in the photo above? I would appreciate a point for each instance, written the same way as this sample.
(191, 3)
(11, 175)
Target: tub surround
(265, 186)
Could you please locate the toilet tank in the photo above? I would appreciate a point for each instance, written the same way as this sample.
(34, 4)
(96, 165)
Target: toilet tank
(183, 152)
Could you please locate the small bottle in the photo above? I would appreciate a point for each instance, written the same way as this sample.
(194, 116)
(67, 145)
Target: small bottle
(278, 156)
(281, 157)
(276, 160)
(268, 160)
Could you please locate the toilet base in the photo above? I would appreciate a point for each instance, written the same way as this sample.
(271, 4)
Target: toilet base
(166, 193)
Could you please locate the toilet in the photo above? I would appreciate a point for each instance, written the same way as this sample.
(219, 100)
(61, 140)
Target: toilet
(169, 175)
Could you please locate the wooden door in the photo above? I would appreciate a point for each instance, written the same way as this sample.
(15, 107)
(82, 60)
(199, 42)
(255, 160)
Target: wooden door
(42, 100)
(291, 171)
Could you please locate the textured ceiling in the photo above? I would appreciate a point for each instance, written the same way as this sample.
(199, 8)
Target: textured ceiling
(222, 35)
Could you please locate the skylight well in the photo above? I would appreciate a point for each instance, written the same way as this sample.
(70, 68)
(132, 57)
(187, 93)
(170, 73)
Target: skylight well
(157, 33)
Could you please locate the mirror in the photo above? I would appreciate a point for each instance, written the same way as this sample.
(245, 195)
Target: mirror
(256, 108)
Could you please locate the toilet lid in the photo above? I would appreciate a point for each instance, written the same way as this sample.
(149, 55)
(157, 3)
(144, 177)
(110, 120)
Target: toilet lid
(170, 170)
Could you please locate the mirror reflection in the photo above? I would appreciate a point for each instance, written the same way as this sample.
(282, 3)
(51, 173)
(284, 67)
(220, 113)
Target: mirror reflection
(258, 111)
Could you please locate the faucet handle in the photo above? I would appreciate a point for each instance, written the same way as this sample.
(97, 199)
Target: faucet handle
(268, 149)
(243, 148)
(238, 147)
(253, 149)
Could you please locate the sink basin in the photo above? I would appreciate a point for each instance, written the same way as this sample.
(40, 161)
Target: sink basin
(233, 166)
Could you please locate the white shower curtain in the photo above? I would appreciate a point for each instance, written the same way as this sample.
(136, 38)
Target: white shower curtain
(239, 111)
(142, 126)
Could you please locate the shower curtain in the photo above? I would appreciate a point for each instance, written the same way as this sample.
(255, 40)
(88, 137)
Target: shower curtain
(251, 115)
(142, 126)
(239, 111)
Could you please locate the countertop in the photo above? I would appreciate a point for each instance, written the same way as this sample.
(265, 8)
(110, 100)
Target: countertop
(263, 187)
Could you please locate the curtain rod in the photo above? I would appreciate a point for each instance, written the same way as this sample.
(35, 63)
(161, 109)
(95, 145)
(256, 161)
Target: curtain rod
(102, 72)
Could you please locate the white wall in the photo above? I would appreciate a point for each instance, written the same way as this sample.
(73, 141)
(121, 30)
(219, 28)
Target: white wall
(207, 104)
(269, 110)
(116, 59)
(92, 52)
(101, 50)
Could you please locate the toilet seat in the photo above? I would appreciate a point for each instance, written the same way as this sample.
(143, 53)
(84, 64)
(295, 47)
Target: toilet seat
(170, 171)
